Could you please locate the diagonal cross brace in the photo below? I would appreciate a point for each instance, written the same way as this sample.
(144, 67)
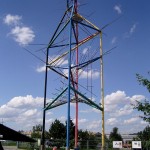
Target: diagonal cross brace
(87, 99)
(47, 107)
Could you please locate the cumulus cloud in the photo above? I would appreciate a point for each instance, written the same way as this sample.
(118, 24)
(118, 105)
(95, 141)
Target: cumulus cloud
(90, 73)
(80, 121)
(93, 125)
(22, 35)
(136, 98)
(118, 103)
(25, 102)
(19, 32)
(23, 110)
(30, 113)
(94, 74)
(131, 120)
(116, 98)
(126, 110)
(12, 19)
(117, 8)
(111, 121)
(63, 119)
(41, 69)
(26, 111)
(59, 62)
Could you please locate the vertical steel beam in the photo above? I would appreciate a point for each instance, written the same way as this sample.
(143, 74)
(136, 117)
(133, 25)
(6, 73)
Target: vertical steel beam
(77, 62)
(44, 111)
(69, 81)
(102, 92)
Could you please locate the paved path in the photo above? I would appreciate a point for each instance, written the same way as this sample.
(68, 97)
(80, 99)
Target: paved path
(11, 148)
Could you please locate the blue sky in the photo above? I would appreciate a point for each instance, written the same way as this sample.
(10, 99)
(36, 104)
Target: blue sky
(22, 78)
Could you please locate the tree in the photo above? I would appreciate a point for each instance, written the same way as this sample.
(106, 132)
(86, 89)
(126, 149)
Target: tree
(144, 106)
(144, 136)
(36, 131)
(72, 129)
(114, 135)
(72, 132)
(57, 130)
(83, 137)
(88, 139)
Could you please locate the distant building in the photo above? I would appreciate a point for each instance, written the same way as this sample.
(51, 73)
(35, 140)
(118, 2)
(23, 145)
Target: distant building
(27, 133)
(127, 138)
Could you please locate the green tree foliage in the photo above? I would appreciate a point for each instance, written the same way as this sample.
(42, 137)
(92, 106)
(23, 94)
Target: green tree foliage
(144, 136)
(36, 131)
(83, 137)
(144, 106)
(83, 134)
(88, 139)
(72, 129)
(114, 135)
(72, 132)
(57, 130)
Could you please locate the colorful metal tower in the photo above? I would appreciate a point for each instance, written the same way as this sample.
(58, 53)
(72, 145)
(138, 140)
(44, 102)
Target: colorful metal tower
(70, 24)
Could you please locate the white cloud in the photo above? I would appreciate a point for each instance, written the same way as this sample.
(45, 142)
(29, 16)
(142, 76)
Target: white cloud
(119, 104)
(30, 112)
(131, 120)
(80, 121)
(25, 102)
(85, 111)
(132, 29)
(114, 40)
(63, 119)
(91, 110)
(49, 113)
(59, 62)
(26, 111)
(22, 35)
(41, 69)
(94, 74)
(48, 121)
(83, 74)
(12, 19)
(118, 9)
(116, 98)
(144, 123)
(96, 110)
(85, 50)
(93, 125)
(126, 110)
(111, 121)
(135, 98)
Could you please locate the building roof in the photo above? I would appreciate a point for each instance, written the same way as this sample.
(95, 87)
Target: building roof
(10, 134)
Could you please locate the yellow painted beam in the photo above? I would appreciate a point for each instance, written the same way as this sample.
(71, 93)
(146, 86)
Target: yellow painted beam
(74, 48)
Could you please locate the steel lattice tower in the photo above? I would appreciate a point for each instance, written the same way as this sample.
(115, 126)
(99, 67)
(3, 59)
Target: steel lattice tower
(74, 19)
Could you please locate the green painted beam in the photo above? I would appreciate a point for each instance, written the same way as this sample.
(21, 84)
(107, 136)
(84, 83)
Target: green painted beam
(89, 101)
(49, 105)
